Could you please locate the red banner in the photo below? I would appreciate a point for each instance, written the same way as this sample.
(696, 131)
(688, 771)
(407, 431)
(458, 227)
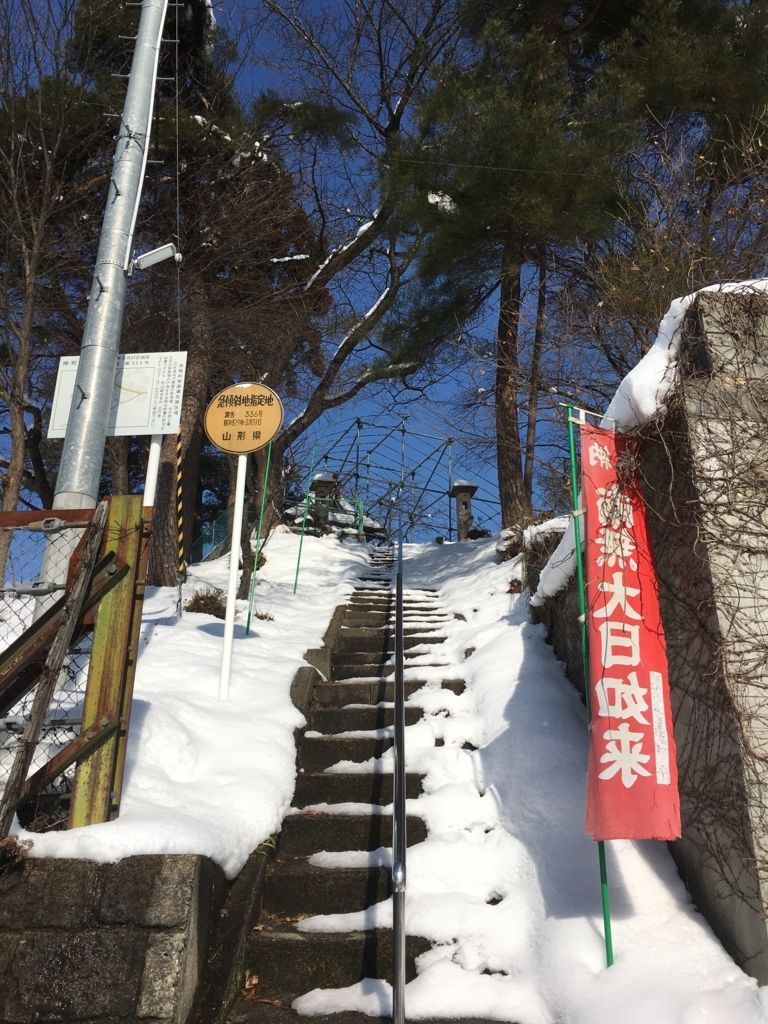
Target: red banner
(632, 786)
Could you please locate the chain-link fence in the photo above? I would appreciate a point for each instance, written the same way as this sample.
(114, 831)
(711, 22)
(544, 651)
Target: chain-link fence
(35, 559)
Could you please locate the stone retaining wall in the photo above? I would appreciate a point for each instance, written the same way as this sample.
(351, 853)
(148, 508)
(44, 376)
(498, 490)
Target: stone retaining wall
(705, 480)
(86, 942)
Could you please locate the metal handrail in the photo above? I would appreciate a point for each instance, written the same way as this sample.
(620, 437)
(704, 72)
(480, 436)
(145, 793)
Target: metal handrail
(399, 839)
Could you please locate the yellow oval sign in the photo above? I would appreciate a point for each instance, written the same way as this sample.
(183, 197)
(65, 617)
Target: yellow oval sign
(243, 418)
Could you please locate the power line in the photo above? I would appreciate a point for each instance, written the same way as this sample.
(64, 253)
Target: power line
(493, 167)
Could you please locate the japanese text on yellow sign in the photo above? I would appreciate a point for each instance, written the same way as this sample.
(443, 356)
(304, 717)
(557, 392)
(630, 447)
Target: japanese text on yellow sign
(243, 418)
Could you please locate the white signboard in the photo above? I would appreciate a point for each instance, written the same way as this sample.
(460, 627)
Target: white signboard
(146, 399)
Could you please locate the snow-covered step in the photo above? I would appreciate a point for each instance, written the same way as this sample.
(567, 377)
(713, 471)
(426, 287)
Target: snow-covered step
(330, 720)
(360, 640)
(342, 805)
(298, 887)
(320, 752)
(254, 1012)
(372, 690)
(362, 667)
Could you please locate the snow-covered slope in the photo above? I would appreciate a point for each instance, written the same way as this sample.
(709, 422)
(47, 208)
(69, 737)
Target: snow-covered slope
(507, 883)
(209, 776)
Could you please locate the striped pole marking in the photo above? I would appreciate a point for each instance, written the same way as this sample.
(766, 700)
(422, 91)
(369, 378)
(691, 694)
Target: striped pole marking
(179, 507)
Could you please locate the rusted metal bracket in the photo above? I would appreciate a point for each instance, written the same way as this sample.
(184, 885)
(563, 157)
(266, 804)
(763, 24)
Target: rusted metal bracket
(80, 748)
(22, 662)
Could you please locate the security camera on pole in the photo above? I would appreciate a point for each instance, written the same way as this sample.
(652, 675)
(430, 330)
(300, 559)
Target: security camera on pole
(241, 419)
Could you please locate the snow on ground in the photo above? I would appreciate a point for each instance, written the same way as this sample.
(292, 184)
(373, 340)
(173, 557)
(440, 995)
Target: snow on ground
(203, 775)
(507, 883)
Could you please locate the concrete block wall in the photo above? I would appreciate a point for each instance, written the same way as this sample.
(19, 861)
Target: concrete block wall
(105, 942)
(560, 616)
(705, 477)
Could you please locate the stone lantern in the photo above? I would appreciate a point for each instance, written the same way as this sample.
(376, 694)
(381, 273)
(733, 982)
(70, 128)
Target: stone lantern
(323, 487)
(462, 491)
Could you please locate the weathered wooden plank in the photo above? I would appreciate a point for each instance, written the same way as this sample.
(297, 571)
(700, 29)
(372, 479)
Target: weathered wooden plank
(25, 750)
(18, 520)
(92, 794)
(137, 607)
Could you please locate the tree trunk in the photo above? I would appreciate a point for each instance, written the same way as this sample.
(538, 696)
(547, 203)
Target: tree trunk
(164, 545)
(13, 475)
(271, 508)
(163, 568)
(15, 471)
(533, 386)
(117, 447)
(246, 550)
(515, 505)
(41, 484)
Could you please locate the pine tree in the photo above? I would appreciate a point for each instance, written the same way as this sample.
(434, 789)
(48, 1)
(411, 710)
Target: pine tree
(521, 155)
(236, 304)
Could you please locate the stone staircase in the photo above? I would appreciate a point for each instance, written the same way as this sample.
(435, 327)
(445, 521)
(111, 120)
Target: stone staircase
(351, 721)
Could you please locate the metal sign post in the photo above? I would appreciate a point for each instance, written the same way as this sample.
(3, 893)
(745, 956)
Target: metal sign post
(577, 512)
(241, 419)
(146, 398)
(234, 560)
(153, 467)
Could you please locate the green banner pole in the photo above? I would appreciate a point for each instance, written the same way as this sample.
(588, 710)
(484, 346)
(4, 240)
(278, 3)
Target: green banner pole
(258, 539)
(577, 512)
(304, 517)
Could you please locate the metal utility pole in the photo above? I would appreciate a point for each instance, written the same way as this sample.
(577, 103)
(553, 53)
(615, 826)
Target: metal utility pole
(83, 453)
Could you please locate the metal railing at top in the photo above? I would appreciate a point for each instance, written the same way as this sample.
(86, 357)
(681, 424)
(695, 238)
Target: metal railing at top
(372, 463)
(214, 540)
(215, 535)
(385, 462)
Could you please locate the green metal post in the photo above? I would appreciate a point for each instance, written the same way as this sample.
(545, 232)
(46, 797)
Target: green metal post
(360, 520)
(585, 660)
(304, 518)
(258, 539)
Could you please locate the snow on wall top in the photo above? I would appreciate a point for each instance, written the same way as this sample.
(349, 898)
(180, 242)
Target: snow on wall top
(639, 397)
(641, 394)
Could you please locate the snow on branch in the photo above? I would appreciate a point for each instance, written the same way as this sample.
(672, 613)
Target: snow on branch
(343, 254)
